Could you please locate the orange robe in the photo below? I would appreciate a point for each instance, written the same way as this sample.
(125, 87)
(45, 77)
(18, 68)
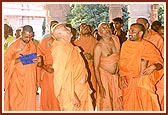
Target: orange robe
(70, 75)
(20, 80)
(88, 44)
(157, 40)
(48, 100)
(110, 82)
(140, 94)
(112, 100)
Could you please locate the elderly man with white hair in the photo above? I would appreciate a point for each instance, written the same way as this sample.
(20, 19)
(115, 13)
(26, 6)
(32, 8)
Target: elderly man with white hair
(70, 75)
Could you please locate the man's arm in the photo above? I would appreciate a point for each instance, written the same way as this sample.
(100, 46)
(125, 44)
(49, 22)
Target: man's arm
(158, 66)
(144, 64)
(41, 64)
(150, 69)
(48, 68)
(97, 54)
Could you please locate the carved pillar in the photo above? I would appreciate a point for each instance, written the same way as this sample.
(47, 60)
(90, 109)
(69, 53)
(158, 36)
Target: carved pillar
(115, 10)
(154, 12)
(56, 12)
(47, 17)
(138, 10)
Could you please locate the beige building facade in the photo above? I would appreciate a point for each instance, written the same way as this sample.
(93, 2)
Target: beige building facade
(148, 11)
(19, 14)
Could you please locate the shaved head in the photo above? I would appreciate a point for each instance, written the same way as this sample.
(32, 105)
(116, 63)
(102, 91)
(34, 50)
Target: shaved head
(144, 22)
(57, 30)
(103, 23)
(104, 30)
(27, 28)
(61, 33)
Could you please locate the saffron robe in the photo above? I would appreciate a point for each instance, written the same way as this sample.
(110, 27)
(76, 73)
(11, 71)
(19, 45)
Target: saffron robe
(70, 75)
(140, 94)
(112, 100)
(88, 44)
(157, 40)
(48, 100)
(19, 80)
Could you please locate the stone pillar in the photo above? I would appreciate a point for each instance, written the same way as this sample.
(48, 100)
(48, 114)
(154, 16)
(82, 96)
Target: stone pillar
(154, 12)
(56, 12)
(115, 10)
(138, 10)
(48, 18)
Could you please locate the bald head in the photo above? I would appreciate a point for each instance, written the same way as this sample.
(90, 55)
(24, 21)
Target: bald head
(27, 28)
(100, 26)
(140, 27)
(61, 33)
(27, 33)
(104, 30)
(102, 23)
(57, 29)
(144, 22)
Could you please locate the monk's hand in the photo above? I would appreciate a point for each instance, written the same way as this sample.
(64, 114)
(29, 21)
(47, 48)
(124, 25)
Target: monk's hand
(17, 60)
(75, 101)
(122, 82)
(48, 68)
(102, 92)
(149, 70)
(39, 60)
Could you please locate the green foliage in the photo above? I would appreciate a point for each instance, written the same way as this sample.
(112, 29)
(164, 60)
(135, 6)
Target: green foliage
(91, 14)
(161, 14)
(125, 17)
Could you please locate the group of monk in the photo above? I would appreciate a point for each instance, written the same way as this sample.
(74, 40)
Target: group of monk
(87, 74)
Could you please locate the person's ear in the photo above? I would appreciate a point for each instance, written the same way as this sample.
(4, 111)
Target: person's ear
(141, 33)
(99, 32)
(147, 25)
(122, 24)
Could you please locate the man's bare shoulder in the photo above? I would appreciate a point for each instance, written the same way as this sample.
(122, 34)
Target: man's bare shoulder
(99, 43)
(98, 47)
